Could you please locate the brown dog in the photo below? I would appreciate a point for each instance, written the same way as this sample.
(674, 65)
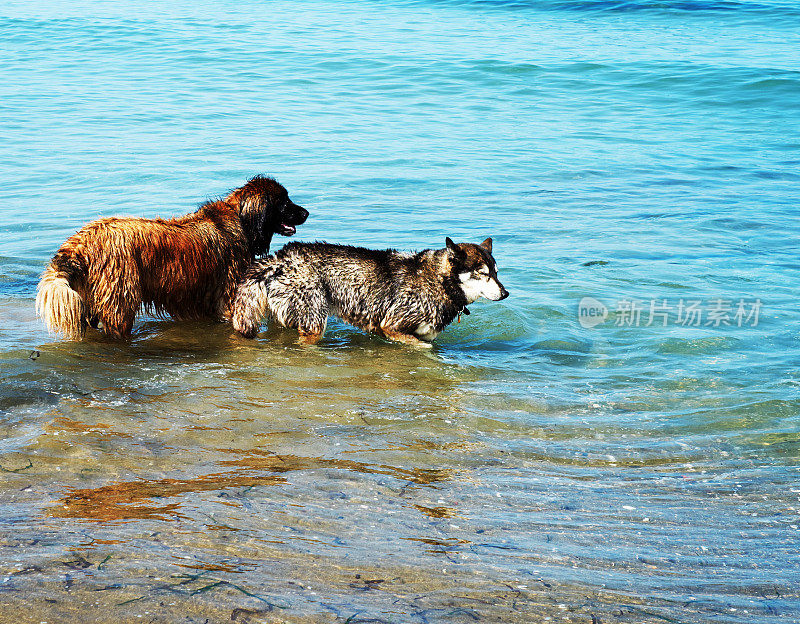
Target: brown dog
(187, 267)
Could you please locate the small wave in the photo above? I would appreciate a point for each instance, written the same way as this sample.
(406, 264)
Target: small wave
(708, 345)
(630, 6)
(18, 277)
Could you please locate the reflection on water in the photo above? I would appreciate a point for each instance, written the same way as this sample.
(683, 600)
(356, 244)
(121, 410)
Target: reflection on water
(256, 479)
(132, 500)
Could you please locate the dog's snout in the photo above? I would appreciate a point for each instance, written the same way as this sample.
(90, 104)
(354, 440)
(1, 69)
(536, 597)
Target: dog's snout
(503, 294)
(300, 212)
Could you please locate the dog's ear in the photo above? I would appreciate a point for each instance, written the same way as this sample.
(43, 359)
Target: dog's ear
(454, 249)
(254, 214)
(487, 245)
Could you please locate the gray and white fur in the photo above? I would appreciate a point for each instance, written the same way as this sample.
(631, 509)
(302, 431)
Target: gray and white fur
(408, 298)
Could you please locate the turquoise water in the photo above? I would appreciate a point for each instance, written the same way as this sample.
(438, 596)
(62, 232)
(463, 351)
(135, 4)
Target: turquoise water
(530, 468)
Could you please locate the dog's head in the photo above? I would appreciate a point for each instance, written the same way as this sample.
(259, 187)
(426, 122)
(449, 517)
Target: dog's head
(475, 270)
(265, 209)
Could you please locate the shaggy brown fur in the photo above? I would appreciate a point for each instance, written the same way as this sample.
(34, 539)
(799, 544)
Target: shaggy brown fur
(186, 267)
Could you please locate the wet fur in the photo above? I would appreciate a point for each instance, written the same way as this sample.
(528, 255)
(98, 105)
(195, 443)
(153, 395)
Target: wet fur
(407, 298)
(186, 267)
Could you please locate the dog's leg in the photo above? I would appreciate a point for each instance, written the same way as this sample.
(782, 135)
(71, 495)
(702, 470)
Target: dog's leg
(391, 332)
(301, 306)
(117, 301)
(308, 338)
(312, 326)
(407, 339)
(118, 322)
(120, 329)
(253, 299)
(249, 307)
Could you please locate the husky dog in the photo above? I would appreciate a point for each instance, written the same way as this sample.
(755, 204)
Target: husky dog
(407, 298)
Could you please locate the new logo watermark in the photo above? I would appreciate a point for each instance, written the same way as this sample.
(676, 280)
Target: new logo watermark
(591, 312)
(717, 312)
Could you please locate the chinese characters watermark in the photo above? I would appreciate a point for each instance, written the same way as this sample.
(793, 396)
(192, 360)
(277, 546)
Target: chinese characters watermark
(717, 312)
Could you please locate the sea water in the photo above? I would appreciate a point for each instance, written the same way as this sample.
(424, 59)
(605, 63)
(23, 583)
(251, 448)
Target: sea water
(615, 442)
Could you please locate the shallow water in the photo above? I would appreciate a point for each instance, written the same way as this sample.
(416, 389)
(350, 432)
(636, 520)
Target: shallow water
(527, 468)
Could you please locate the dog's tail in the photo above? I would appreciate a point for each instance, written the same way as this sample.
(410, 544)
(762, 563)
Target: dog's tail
(252, 297)
(62, 308)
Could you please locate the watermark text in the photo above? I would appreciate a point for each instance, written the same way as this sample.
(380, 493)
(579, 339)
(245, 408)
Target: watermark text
(631, 312)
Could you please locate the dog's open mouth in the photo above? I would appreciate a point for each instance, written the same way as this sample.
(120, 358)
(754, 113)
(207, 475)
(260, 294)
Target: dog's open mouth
(286, 230)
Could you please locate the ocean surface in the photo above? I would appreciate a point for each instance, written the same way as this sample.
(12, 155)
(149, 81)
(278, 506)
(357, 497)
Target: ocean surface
(616, 442)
